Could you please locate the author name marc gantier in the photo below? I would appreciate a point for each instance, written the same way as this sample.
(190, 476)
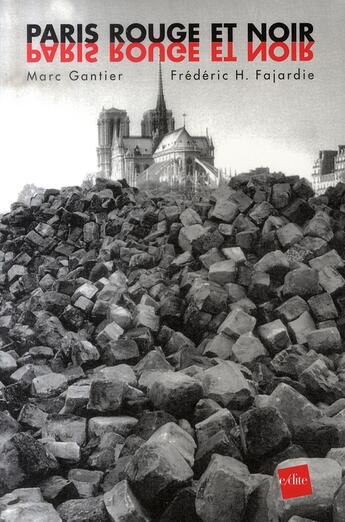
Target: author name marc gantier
(199, 75)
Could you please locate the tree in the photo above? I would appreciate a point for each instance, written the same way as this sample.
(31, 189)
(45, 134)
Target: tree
(28, 191)
(89, 181)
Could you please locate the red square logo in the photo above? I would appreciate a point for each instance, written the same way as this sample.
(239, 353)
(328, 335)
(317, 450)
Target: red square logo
(295, 482)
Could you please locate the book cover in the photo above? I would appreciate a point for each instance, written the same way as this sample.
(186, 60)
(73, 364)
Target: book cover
(172, 260)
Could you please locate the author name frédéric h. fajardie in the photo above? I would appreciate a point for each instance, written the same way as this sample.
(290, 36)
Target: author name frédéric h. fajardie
(272, 75)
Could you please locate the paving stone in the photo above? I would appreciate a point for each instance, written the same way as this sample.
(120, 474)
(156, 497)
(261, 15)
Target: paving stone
(234, 253)
(293, 406)
(112, 332)
(330, 280)
(303, 282)
(260, 212)
(65, 428)
(219, 420)
(183, 503)
(338, 505)
(263, 432)
(325, 340)
(299, 211)
(175, 393)
(87, 482)
(286, 362)
(156, 472)
(220, 443)
(32, 416)
(320, 382)
(225, 210)
(122, 505)
(223, 488)
(48, 384)
(65, 451)
(235, 292)
(248, 349)
(317, 438)
(190, 217)
(57, 489)
(7, 364)
(319, 226)
(76, 399)
(293, 308)
(331, 258)
(223, 272)
(198, 239)
(237, 323)
(210, 257)
(337, 454)
(257, 510)
(260, 289)
(275, 263)
(24, 511)
(172, 434)
(289, 234)
(275, 336)
(84, 510)
(301, 327)
(23, 458)
(322, 307)
(121, 351)
(226, 385)
(325, 477)
(123, 425)
(281, 195)
(106, 395)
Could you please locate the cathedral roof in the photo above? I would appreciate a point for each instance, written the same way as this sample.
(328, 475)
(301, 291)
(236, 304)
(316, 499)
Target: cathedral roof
(203, 143)
(181, 139)
(142, 143)
(113, 109)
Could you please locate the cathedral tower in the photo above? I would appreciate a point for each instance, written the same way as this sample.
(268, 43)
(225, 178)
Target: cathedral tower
(112, 124)
(159, 121)
(162, 122)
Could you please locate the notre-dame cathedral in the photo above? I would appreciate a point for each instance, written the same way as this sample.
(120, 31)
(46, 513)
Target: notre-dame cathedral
(161, 153)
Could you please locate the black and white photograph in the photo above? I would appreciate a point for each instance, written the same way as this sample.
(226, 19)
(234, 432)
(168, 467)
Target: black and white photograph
(172, 261)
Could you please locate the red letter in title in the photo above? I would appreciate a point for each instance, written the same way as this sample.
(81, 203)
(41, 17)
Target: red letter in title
(32, 55)
(67, 54)
(91, 52)
(176, 52)
(305, 51)
(230, 57)
(49, 51)
(193, 52)
(133, 49)
(115, 52)
(278, 47)
(216, 51)
(260, 49)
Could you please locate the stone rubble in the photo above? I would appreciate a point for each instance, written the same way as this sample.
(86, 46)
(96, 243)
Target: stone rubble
(162, 358)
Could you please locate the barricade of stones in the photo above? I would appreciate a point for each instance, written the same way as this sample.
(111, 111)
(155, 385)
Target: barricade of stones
(162, 359)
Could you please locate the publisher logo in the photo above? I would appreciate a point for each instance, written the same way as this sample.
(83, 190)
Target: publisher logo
(295, 482)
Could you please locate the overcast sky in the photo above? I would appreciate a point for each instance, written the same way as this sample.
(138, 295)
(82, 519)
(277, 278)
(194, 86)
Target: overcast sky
(48, 130)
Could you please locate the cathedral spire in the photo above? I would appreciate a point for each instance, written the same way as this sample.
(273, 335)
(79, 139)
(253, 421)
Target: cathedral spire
(160, 98)
(160, 124)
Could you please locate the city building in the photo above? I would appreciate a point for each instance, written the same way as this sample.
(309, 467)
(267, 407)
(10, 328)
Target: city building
(161, 153)
(328, 169)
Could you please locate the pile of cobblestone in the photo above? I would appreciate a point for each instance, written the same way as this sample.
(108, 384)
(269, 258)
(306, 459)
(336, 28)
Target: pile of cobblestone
(162, 359)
